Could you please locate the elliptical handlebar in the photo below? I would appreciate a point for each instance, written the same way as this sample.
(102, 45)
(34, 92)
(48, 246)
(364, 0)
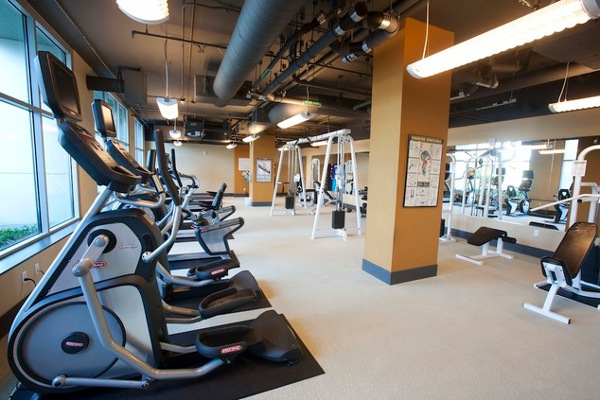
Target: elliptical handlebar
(163, 168)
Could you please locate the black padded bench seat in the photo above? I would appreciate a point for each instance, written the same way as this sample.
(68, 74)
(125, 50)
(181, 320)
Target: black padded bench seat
(485, 235)
(482, 237)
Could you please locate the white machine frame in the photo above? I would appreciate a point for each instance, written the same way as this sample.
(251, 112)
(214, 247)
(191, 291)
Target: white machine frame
(554, 273)
(447, 236)
(292, 149)
(343, 137)
(486, 253)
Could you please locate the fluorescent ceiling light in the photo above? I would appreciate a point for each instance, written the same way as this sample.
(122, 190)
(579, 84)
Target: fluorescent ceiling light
(231, 145)
(295, 120)
(168, 107)
(321, 143)
(250, 138)
(555, 151)
(573, 105)
(544, 22)
(149, 12)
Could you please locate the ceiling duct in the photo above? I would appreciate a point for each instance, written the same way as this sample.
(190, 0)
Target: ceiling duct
(258, 26)
(203, 92)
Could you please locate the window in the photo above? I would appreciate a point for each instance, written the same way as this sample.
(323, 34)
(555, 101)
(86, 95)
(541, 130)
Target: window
(35, 172)
(120, 116)
(566, 173)
(138, 130)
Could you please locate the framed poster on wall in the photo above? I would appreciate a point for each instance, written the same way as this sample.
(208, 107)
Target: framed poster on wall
(263, 170)
(423, 171)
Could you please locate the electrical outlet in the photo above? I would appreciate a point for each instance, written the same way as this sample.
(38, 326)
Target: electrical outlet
(23, 276)
(36, 268)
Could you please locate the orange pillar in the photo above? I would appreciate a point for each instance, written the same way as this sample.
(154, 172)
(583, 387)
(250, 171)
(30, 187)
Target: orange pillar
(402, 242)
(262, 170)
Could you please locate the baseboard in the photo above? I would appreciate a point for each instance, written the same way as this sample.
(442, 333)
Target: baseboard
(261, 204)
(393, 278)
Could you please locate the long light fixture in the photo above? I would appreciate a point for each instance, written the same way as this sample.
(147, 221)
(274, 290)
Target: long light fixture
(573, 105)
(553, 151)
(544, 22)
(295, 120)
(148, 12)
(250, 138)
(168, 106)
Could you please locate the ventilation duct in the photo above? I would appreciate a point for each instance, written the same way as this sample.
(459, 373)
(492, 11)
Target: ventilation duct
(258, 26)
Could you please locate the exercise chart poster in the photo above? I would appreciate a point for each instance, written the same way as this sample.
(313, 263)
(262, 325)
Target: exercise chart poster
(423, 171)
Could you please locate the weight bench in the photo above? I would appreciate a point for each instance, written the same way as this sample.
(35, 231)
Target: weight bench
(482, 237)
(563, 267)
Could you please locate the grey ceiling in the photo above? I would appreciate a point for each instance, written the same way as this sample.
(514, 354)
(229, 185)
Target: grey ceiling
(528, 77)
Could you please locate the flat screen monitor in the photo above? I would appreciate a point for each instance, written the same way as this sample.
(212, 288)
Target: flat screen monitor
(58, 87)
(103, 117)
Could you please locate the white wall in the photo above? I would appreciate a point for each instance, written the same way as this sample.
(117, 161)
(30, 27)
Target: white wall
(556, 126)
(211, 164)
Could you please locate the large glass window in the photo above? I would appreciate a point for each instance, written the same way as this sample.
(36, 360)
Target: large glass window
(59, 184)
(138, 129)
(570, 155)
(19, 218)
(14, 80)
(35, 172)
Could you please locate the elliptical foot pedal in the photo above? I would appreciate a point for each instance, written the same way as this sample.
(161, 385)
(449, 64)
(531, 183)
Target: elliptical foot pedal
(243, 290)
(269, 337)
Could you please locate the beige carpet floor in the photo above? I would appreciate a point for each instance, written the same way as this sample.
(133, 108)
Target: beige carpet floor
(460, 335)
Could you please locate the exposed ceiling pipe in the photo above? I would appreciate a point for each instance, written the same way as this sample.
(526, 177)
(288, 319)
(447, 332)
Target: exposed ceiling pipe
(287, 109)
(547, 75)
(347, 22)
(258, 26)
(331, 88)
(386, 28)
(320, 19)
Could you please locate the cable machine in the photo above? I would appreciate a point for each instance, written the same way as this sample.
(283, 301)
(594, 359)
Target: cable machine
(343, 139)
(446, 236)
(295, 177)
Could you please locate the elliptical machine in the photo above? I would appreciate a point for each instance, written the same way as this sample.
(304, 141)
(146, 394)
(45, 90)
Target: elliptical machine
(96, 317)
(518, 200)
(206, 281)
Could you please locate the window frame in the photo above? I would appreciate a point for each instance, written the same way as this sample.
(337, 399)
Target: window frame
(48, 235)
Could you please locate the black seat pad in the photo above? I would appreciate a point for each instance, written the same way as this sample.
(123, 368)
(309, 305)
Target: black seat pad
(484, 235)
